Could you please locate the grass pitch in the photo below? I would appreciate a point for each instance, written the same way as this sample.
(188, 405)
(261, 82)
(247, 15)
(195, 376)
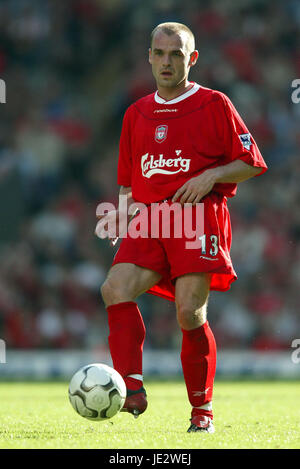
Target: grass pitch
(251, 415)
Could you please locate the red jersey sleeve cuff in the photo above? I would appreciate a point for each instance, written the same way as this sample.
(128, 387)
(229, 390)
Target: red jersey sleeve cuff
(248, 159)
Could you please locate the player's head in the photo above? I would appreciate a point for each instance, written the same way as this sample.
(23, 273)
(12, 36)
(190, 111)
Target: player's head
(172, 53)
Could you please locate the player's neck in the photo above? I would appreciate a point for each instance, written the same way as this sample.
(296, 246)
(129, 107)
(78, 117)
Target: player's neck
(171, 93)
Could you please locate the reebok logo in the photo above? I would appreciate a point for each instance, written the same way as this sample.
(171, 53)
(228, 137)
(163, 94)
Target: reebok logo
(209, 258)
(165, 110)
(200, 393)
(2, 92)
(150, 165)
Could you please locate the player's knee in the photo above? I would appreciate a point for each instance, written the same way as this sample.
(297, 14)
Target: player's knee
(106, 292)
(114, 292)
(110, 292)
(190, 316)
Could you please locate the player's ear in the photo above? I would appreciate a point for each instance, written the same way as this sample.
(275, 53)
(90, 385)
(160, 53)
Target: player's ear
(150, 55)
(193, 58)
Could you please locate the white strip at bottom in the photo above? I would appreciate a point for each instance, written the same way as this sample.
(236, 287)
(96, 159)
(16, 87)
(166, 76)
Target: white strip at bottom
(207, 406)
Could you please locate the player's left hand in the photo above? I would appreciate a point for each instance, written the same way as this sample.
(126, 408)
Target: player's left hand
(195, 188)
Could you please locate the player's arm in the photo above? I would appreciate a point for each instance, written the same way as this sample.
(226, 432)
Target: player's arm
(127, 205)
(113, 224)
(126, 192)
(235, 172)
(196, 188)
(241, 158)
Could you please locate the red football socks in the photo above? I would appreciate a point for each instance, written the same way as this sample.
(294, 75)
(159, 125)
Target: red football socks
(126, 340)
(198, 358)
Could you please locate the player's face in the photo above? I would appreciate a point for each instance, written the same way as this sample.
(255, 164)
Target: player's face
(171, 58)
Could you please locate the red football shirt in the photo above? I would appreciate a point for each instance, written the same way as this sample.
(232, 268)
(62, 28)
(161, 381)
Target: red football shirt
(165, 143)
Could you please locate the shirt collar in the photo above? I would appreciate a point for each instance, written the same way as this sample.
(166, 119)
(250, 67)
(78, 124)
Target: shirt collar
(179, 98)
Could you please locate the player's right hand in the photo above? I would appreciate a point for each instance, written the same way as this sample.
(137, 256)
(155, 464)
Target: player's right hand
(111, 225)
(107, 226)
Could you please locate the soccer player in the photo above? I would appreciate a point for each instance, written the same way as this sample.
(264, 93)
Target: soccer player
(184, 144)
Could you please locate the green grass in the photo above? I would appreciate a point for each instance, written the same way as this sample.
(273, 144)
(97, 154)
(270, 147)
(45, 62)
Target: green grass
(247, 415)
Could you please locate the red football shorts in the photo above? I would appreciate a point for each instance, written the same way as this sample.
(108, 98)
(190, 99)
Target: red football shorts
(170, 257)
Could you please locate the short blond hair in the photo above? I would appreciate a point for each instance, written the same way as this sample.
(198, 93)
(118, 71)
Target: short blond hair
(174, 28)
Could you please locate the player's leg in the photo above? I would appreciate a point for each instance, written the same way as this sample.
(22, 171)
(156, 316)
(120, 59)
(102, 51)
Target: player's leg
(198, 353)
(124, 283)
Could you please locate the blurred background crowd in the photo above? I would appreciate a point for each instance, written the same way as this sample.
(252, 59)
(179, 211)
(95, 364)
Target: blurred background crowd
(71, 68)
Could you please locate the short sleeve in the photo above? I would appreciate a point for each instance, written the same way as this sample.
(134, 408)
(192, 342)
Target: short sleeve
(238, 141)
(125, 159)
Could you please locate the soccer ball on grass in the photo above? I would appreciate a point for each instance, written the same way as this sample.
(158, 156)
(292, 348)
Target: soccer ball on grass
(97, 392)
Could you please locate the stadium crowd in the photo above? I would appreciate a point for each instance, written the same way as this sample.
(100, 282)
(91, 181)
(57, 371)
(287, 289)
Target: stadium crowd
(71, 68)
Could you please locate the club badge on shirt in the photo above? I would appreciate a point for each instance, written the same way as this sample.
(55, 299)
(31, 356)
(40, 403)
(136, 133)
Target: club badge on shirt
(161, 133)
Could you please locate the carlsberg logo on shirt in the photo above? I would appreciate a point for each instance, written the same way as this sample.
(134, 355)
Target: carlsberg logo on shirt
(162, 165)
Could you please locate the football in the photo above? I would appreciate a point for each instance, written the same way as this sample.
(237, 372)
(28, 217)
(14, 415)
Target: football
(97, 392)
